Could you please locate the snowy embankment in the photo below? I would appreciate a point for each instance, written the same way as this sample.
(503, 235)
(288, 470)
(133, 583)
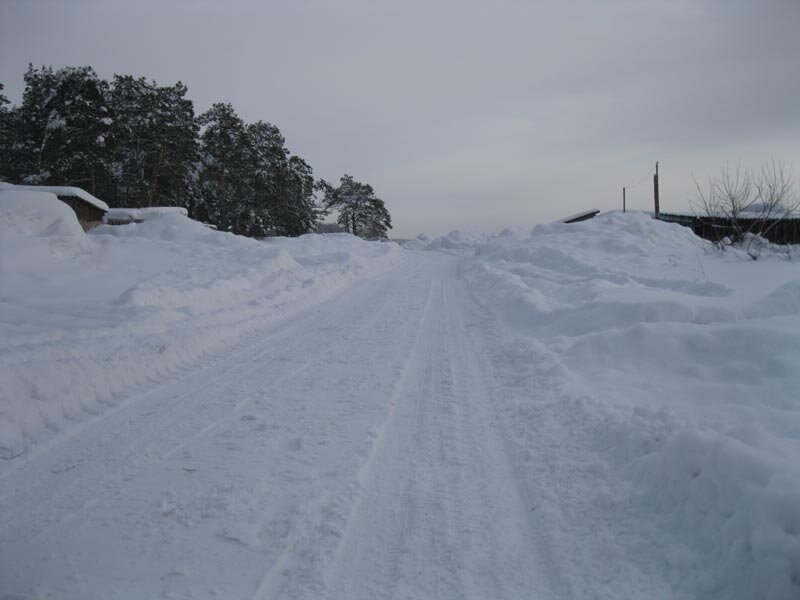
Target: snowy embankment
(652, 391)
(455, 242)
(87, 319)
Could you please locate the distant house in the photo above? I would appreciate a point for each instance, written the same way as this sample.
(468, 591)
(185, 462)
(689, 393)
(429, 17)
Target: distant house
(124, 216)
(89, 210)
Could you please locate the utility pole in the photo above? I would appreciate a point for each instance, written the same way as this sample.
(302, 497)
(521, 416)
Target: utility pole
(623, 199)
(655, 190)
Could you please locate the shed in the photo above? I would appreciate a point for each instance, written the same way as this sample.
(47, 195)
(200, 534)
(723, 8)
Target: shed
(89, 210)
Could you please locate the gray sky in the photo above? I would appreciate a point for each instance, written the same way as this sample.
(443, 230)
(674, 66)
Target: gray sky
(461, 114)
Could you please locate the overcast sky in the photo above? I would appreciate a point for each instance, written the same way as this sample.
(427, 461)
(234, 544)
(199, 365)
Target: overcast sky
(462, 115)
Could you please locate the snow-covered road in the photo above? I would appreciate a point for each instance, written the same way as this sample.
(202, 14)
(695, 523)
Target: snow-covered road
(600, 410)
(352, 451)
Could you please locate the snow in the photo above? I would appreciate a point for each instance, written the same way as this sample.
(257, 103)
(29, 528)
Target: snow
(458, 242)
(85, 319)
(55, 121)
(418, 243)
(141, 214)
(585, 214)
(59, 190)
(36, 228)
(604, 409)
(671, 368)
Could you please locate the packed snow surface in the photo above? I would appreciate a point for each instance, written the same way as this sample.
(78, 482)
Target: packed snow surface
(604, 409)
(86, 319)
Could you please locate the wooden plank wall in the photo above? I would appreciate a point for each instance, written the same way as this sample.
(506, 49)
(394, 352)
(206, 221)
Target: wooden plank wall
(777, 231)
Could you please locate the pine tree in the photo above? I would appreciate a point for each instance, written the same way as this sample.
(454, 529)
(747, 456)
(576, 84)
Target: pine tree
(62, 130)
(222, 189)
(298, 212)
(268, 159)
(360, 211)
(135, 143)
(247, 181)
(155, 142)
(5, 137)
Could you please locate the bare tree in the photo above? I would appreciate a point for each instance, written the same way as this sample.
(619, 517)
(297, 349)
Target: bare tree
(775, 193)
(742, 207)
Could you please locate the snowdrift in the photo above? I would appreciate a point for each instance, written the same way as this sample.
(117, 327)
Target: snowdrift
(666, 405)
(418, 243)
(87, 319)
(458, 242)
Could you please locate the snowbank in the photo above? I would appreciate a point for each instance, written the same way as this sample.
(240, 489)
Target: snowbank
(39, 223)
(459, 242)
(87, 319)
(418, 243)
(128, 215)
(58, 190)
(666, 406)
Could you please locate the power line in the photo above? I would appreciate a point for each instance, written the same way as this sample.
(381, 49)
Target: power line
(652, 172)
(647, 175)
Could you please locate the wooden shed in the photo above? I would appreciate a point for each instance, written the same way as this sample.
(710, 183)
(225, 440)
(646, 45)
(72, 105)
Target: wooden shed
(89, 210)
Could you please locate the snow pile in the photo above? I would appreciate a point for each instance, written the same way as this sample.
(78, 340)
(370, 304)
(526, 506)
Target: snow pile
(665, 409)
(418, 243)
(141, 214)
(38, 223)
(459, 242)
(87, 319)
(57, 190)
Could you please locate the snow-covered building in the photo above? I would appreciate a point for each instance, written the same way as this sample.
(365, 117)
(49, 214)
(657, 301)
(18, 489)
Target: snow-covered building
(124, 216)
(89, 210)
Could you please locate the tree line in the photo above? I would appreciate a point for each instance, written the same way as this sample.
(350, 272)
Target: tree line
(135, 143)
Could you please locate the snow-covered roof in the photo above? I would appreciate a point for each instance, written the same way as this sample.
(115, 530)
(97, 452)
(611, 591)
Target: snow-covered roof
(142, 214)
(61, 190)
(581, 216)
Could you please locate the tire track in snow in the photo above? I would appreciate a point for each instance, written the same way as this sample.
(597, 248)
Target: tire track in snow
(488, 352)
(366, 325)
(378, 474)
(270, 586)
(124, 445)
(533, 554)
(439, 514)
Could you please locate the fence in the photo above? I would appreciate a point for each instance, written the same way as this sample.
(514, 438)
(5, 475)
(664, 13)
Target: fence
(777, 231)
